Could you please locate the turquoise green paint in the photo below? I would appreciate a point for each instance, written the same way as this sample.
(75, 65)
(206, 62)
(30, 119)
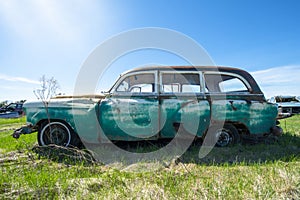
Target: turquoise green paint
(258, 117)
(193, 115)
(84, 121)
(129, 118)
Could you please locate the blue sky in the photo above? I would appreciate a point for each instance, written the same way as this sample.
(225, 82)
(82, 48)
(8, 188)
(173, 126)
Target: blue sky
(54, 37)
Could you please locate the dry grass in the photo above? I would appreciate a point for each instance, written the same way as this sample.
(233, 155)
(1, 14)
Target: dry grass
(261, 171)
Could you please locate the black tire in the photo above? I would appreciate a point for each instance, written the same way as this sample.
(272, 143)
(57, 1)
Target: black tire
(226, 135)
(57, 133)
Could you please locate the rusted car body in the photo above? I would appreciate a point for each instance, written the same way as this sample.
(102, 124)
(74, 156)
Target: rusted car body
(154, 103)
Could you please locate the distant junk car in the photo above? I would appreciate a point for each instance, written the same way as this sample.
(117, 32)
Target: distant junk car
(12, 110)
(152, 103)
(287, 105)
(12, 107)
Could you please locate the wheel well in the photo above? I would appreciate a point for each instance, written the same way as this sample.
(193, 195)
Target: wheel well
(43, 121)
(242, 128)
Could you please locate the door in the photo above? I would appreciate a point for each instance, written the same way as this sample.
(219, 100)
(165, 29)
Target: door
(183, 105)
(131, 113)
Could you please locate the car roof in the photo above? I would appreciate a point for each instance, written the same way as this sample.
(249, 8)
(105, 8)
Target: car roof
(183, 68)
(240, 72)
(192, 68)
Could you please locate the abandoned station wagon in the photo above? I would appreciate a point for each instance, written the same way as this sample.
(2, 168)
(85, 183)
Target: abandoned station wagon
(155, 103)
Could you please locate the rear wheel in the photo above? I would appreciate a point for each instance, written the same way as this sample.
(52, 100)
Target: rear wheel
(226, 135)
(57, 133)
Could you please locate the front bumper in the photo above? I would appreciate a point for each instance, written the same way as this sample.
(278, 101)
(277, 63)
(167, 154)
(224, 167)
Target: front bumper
(24, 130)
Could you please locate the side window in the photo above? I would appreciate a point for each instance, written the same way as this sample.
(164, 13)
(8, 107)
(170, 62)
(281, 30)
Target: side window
(185, 83)
(233, 85)
(224, 83)
(138, 83)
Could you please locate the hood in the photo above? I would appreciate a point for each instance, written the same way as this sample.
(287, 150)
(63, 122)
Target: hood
(90, 96)
(67, 101)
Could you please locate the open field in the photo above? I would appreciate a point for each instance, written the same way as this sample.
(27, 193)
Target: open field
(267, 170)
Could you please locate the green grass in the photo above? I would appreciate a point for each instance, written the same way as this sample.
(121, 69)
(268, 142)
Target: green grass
(268, 170)
(7, 142)
(12, 121)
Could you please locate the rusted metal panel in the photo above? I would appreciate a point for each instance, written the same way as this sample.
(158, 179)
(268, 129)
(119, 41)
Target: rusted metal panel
(64, 110)
(257, 117)
(192, 114)
(129, 118)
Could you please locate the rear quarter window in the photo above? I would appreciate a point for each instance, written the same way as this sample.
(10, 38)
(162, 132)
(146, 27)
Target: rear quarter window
(225, 83)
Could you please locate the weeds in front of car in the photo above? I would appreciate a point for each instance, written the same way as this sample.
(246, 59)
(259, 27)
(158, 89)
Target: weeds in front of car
(260, 171)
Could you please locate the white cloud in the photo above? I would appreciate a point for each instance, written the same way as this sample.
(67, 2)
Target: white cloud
(284, 80)
(34, 18)
(50, 37)
(17, 79)
(46, 19)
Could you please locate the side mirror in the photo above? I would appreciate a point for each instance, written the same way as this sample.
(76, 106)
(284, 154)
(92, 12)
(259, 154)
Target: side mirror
(272, 100)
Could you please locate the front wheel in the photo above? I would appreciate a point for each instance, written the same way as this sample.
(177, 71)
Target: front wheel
(54, 133)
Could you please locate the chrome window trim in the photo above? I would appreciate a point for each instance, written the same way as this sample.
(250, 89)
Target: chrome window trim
(247, 84)
(154, 72)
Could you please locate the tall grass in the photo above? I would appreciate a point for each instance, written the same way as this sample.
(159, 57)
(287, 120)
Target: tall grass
(261, 171)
